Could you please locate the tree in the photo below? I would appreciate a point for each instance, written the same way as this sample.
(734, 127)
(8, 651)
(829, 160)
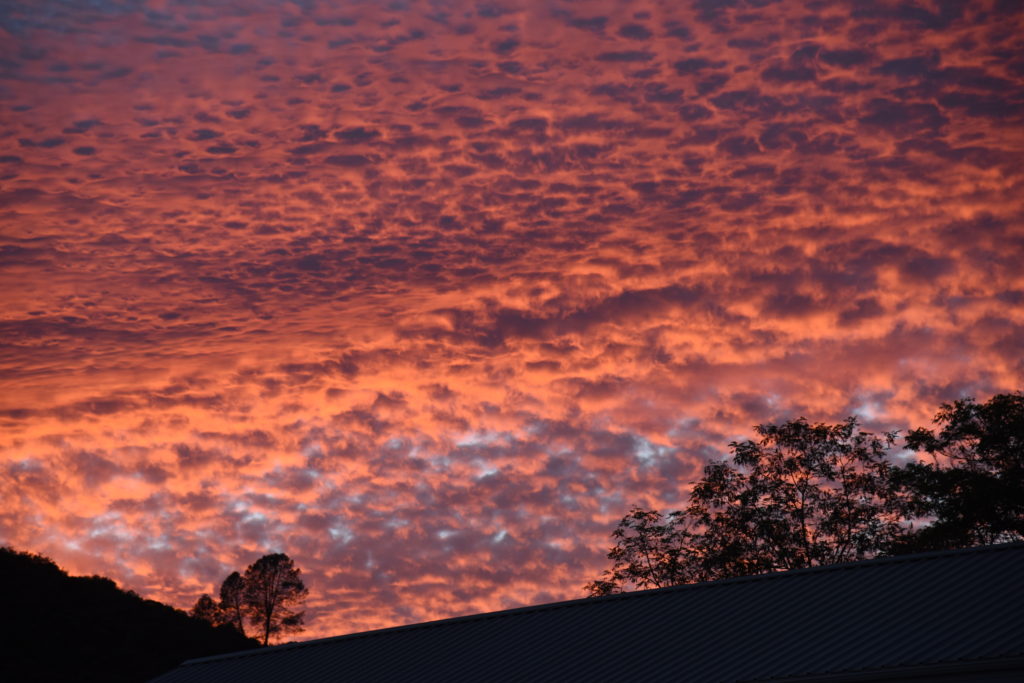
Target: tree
(973, 490)
(273, 588)
(802, 495)
(265, 597)
(85, 628)
(207, 609)
(651, 551)
(232, 601)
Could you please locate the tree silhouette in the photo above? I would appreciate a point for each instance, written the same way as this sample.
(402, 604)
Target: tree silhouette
(651, 551)
(207, 609)
(85, 628)
(232, 601)
(802, 495)
(266, 597)
(973, 490)
(273, 588)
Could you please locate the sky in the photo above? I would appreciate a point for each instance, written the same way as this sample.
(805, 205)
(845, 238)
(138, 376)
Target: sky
(427, 294)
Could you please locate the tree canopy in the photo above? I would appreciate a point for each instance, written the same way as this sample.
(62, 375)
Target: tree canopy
(803, 495)
(232, 601)
(273, 589)
(972, 491)
(207, 610)
(651, 551)
(266, 597)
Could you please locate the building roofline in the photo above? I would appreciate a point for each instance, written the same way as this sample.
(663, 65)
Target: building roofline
(631, 595)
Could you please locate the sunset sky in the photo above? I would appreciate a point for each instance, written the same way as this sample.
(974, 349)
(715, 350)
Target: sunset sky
(428, 293)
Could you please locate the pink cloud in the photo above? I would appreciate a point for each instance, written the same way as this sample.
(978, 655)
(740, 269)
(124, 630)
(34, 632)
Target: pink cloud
(429, 299)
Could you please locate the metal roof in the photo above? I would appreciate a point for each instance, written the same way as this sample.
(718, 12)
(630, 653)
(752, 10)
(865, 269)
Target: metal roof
(932, 612)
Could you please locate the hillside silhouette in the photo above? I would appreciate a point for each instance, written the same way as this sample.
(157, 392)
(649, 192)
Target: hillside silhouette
(84, 628)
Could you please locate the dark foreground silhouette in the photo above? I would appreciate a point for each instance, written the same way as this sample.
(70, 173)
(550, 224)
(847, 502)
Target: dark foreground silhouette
(807, 495)
(265, 597)
(84, 628)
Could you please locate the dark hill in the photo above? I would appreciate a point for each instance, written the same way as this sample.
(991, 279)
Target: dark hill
(57, 627)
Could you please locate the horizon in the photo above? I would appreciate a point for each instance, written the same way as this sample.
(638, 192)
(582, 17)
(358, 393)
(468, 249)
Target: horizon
(427, 295)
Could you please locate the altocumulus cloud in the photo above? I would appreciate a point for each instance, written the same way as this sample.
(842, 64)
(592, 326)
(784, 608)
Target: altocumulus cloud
(426, 296)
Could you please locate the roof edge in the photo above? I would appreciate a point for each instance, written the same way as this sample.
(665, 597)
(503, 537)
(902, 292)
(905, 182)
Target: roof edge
(631, 595)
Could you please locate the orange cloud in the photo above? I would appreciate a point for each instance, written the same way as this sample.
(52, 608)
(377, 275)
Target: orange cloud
(428, 296)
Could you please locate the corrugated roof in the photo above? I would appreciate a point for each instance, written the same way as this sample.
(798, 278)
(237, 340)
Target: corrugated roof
(942, 609)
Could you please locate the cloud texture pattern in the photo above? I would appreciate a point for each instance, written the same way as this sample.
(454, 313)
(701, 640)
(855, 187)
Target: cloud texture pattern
(427, 293)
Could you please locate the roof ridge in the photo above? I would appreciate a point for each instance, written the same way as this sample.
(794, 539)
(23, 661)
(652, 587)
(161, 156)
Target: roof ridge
(631, 595)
